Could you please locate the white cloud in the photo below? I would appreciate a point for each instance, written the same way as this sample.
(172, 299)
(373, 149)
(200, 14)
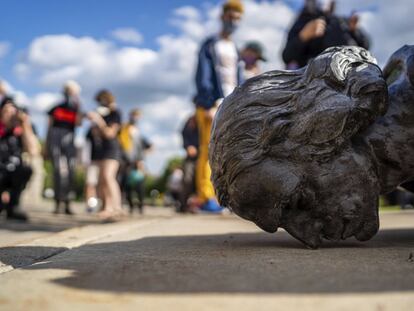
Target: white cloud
(4, 48)
(390, 25)
(160, 81)
(162, 123)
(42, 102)
(127, 35)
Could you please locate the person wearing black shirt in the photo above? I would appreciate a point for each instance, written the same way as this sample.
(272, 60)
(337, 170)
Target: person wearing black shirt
(16, 136)
(63, 119)
(316, 30)
(106, 151)
(190, 144)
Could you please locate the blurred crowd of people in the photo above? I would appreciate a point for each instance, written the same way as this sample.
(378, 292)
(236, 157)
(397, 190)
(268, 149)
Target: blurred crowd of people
(116, 167)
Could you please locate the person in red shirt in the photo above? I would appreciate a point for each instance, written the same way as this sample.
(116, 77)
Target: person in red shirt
(63, 119)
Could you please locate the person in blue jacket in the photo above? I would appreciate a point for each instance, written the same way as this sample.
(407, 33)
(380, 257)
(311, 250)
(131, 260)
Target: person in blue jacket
(219, 71)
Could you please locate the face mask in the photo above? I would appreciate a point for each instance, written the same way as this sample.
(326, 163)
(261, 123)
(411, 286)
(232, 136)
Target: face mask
(133, 121)
(72, 100)
(230, 26)
(249, 60)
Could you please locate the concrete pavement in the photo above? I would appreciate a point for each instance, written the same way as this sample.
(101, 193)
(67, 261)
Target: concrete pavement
(164, 261)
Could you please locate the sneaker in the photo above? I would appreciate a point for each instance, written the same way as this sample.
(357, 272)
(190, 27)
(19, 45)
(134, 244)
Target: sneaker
(92, 205)
(211, 206)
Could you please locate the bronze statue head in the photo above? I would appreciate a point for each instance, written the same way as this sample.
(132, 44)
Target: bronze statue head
(285, 152)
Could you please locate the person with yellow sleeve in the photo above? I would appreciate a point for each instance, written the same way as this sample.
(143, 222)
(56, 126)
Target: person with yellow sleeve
(219, 71)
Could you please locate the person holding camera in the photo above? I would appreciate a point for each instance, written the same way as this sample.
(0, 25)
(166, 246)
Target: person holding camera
(16, 137)
(63, 120)
(316, 30)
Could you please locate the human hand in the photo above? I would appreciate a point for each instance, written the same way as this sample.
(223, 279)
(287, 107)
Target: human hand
(192, 151)
(23, 118)
(95, 117)
(312, 30)
(210, 113)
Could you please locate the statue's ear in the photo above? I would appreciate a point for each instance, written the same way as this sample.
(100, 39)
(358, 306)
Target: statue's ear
(410, 69)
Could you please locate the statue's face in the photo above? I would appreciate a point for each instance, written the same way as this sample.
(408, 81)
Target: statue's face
(340, 201)
(300, 165)
(312, 192)
(311, 201)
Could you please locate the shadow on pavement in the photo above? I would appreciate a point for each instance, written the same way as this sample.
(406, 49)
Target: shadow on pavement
(237, 263)
(46, 222)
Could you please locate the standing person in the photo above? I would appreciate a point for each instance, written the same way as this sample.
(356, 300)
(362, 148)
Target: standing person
(316, 30)
(16, 136)
(134, 146)
(218, 73)
(251, 54)
(190, 144)
(106, 125)
(63, 119)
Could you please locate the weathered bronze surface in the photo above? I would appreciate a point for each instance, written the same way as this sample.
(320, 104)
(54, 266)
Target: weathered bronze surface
(311, 150)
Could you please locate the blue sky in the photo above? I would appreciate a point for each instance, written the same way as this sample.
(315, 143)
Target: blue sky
(145, 51)
(27, 19)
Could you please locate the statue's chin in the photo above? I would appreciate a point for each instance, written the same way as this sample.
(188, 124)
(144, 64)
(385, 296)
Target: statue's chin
(312, 235)
(368, 231)
(312, 241)
(308, 234)
(267, 226)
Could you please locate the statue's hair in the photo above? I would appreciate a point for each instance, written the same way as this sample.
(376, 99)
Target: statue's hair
(264, 103)
(253, 123)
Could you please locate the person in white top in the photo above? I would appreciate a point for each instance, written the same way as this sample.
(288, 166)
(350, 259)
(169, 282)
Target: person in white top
(227, 60)
(218, 73)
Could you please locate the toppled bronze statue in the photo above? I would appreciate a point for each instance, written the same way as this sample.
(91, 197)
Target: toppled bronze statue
(311, 150)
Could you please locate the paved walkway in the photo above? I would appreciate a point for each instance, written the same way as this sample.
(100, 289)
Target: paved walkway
(167, 262)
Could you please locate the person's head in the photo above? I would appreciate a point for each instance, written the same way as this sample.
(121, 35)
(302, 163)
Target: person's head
(283, 151)
(106, 99)
(312, 6)
(8, 111)
(252, 53)
(134, 116)
(231, 16)
(71, 89)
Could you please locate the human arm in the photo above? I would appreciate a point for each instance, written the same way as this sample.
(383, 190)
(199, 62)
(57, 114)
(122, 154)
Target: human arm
(108, 131)
(29, 139)
(204, 78)
(299, 37)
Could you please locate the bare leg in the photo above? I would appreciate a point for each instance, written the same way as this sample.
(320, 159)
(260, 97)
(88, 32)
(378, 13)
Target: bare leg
(112, 191)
